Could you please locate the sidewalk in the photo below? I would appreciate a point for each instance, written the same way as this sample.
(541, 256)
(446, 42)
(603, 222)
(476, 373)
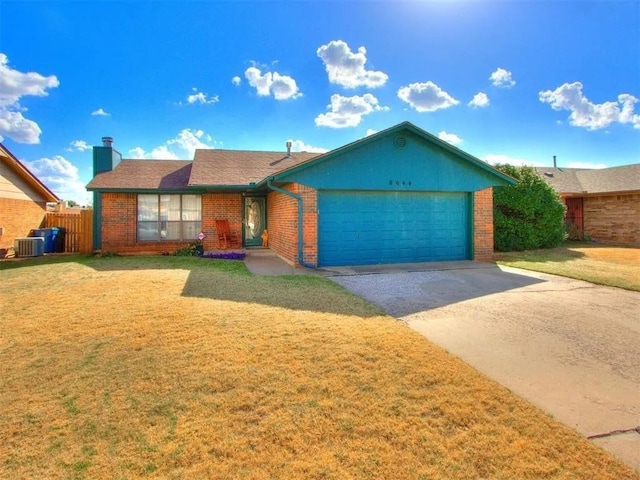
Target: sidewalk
(266, 262)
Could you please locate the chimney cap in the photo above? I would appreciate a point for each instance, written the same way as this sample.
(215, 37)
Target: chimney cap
(107, 141)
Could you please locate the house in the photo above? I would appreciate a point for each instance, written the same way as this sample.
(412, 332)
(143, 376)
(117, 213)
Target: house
(603, 204)
(23, 199)
(401, 195)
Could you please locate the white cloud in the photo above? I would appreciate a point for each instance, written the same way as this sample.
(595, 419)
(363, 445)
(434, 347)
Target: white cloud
(13, 86)
(282, 87)
(201, 97)
(348, 111)
(182, 146)
(451, 138)
(502, 78)
(479, 100)
(587, 114)
(236, 80)
(79, 145)
(137, 153)
(300, 146)
(499, 158)
(100, 112)
(370, 131)
(426, 97)
(347, 68)
(61, 176)
(15, 126)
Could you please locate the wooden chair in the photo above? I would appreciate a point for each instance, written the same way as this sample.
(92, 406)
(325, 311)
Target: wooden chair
(226, 238)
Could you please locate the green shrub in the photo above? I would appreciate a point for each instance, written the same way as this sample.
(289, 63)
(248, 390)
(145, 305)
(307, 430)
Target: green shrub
(527, 215)
(194, 249)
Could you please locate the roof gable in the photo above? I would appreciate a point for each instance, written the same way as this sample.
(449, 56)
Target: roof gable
(401, 157)
(23, 173)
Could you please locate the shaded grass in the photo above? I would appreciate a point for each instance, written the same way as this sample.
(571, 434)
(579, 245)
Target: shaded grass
(613, 266)
(127, 368)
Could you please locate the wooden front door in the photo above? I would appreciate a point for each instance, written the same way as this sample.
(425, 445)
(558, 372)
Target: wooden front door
(255, 216)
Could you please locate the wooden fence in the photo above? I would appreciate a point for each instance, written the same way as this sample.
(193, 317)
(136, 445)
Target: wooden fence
(78, 228)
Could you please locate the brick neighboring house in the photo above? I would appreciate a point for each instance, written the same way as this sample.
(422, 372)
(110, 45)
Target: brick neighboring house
(602, 204)
(401, 195)
(23, 199)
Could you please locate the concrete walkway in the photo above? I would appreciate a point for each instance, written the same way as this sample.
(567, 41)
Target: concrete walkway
(263, 261)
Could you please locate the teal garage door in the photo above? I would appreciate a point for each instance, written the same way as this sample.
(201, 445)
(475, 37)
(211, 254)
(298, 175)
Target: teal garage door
(364, 228)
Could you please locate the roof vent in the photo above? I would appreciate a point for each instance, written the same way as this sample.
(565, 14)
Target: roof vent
(289, 148)
(548, 174)
(107, 141)
(399, 141)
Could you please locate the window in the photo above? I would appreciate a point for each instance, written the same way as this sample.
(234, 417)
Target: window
(169, 217)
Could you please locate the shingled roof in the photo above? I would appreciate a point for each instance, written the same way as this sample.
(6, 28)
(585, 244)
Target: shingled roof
(210, 168)
(240, 167)
(625, 178)
(144, 175)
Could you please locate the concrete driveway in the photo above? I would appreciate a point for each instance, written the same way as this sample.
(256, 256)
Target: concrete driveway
(570, 347)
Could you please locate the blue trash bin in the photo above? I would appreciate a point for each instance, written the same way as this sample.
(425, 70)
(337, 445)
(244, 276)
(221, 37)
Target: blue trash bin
(49, 235)
(51, 239)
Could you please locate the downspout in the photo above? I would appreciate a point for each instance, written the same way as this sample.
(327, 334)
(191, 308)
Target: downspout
(298, 198)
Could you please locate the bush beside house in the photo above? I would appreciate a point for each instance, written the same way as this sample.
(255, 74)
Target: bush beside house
(527, 215)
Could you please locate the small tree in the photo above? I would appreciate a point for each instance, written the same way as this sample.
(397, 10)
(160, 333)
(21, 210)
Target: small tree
(527, 215)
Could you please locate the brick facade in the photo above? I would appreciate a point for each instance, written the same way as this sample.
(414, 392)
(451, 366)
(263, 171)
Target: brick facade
(119, 213)
(282, 215)
(483, 225)
(612, 218)
(119, 216)
(219, 206)
(18, 217)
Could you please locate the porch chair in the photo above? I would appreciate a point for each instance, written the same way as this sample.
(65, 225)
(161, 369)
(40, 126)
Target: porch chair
(226, 238)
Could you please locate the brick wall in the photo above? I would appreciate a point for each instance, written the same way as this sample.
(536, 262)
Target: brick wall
(18, 217)
(282, 214)
(119, 212)
(612, 218)
(119, 215)
(483, 225)
(220, 206)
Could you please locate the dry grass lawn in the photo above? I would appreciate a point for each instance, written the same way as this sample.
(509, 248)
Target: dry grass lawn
(610, 265)
(179, 368)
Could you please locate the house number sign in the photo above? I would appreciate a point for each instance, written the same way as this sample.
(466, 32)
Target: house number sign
(400, 182)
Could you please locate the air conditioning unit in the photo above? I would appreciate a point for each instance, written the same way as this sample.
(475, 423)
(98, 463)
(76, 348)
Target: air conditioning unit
(29, 246)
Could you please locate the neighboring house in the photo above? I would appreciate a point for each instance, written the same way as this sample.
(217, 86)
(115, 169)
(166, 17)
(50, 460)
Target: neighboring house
(23, 199)
(603, 204)
(401, 195)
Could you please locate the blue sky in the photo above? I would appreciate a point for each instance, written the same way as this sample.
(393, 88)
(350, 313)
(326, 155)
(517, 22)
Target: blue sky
(515, 81)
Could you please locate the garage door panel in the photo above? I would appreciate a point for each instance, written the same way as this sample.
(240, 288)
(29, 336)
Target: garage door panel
(392, 227)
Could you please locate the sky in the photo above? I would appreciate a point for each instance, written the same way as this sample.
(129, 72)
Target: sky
(507, 81)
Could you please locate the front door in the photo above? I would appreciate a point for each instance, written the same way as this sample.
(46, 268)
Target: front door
(254, 221)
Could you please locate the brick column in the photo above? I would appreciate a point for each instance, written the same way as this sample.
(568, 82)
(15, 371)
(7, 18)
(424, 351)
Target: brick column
(483, 225)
